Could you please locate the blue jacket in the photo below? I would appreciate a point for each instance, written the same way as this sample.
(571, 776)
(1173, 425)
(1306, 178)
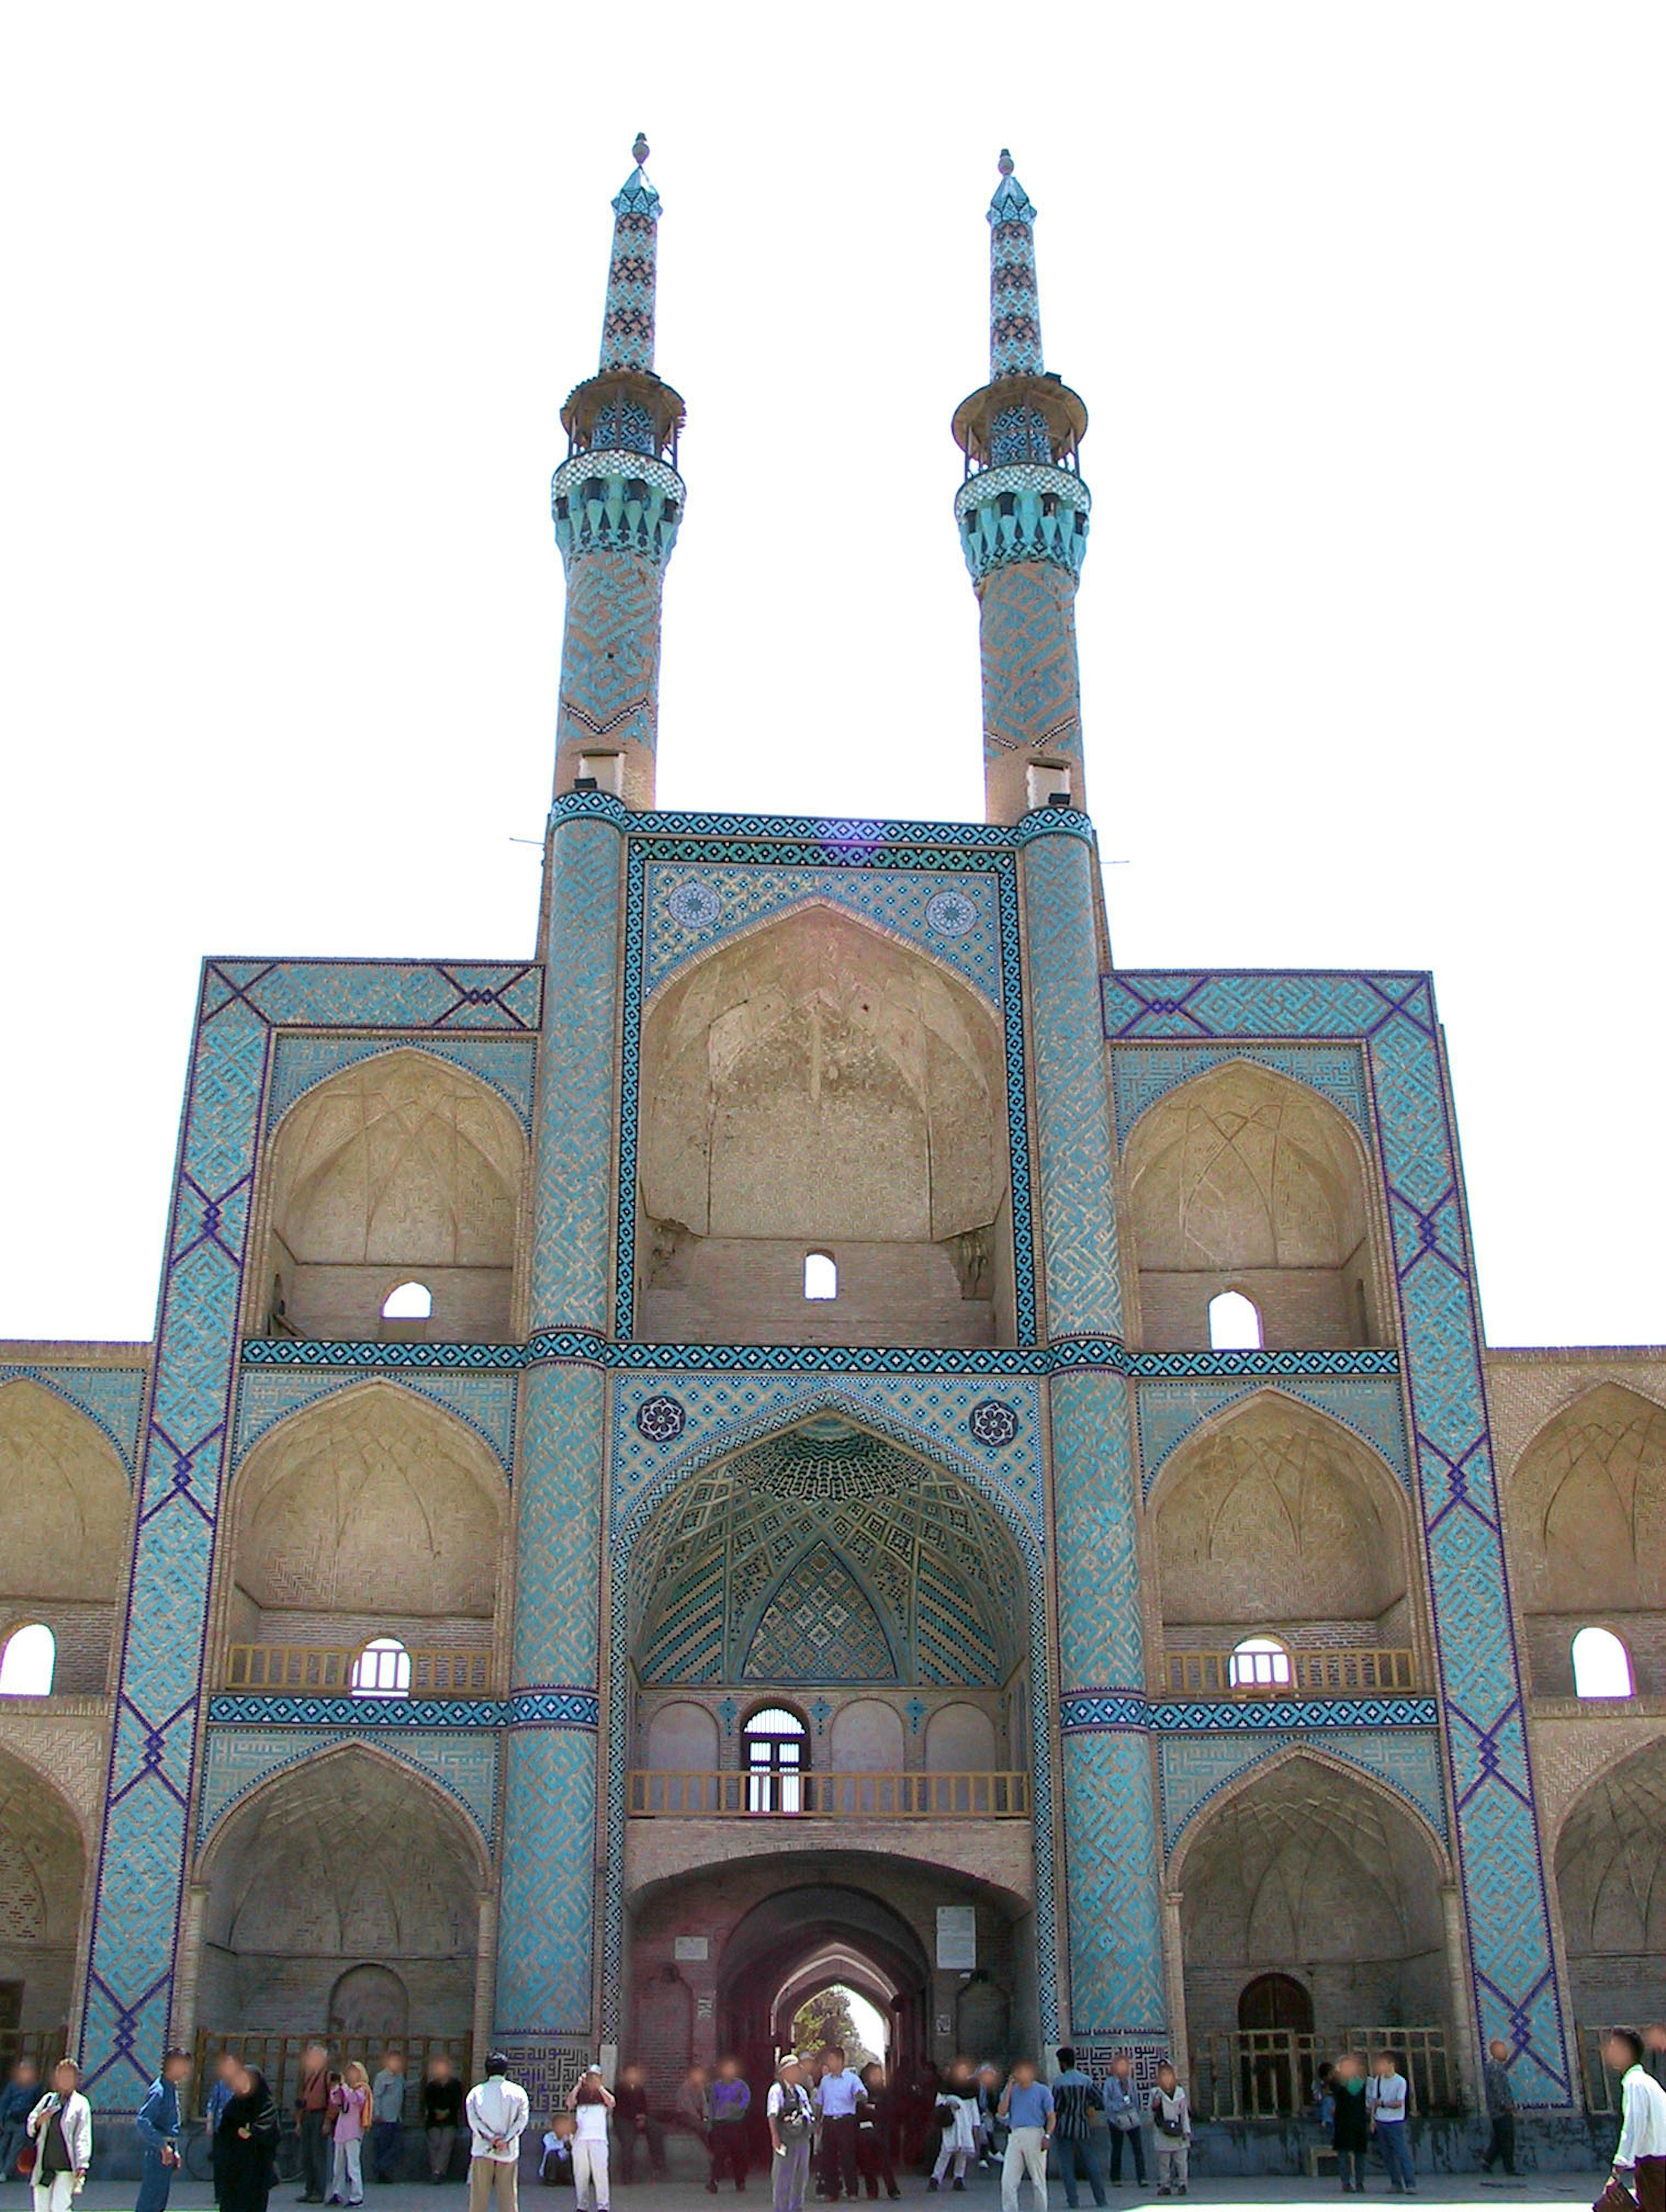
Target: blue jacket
(158, 2121)
(1123, 2108)
(215, 2103)
(17, 2100)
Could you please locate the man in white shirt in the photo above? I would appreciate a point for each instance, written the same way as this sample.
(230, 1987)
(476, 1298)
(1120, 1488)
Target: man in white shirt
(498, 2110)
(1388, 2100)
(791, 2122)
(1641, 2151)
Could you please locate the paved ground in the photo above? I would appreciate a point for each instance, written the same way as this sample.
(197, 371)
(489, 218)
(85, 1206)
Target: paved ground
(1436, 2192)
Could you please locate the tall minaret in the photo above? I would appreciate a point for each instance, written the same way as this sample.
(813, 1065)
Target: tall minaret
(1023, 515)
(617, 501)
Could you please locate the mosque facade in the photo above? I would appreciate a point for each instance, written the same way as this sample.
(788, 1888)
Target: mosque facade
(813, 1428)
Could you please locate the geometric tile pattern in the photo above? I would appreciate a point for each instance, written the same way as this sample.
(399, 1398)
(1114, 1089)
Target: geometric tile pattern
(154, 1753)
(1489, 1776)
(897, 903)
(628, 319)
(486, 1402)
(1015, 341)
(1195, 1768)
(1032, 679)
(111, 1397)
(1168, 1411)
(547, 1888)
(819, 1626)
(1139, 1079)
(509, 1065)
(1116, 1939)
(238, 1760)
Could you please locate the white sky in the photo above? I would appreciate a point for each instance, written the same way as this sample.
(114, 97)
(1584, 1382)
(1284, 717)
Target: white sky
(1366, 302)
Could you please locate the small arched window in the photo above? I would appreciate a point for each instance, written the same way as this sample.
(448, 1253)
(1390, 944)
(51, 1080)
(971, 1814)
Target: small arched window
(777, 1746)
(821, 1275)
(1260, 1662)
(26, 1667)
(409, 1302)
(1234, 1323)
(382, 1669)
(1602, 1665)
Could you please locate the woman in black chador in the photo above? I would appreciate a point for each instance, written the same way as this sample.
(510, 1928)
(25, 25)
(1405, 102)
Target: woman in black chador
(248, 2144)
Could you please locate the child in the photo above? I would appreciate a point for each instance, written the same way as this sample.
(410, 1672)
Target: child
(957, 2110)
(1171, 2122)
(556, 2166)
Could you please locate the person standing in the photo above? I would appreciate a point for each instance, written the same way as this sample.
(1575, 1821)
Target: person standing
(222, 2090)
(957, 2108)
(1026, 2105)
(989, 2132)
(590, 2101)
(387, 2116)
(350, 2102)
(1641, 2150)
(244, 2166)
(1075, 2101)
(1350, 2123)
(61, 2129)
(1125, 2112)
(730, 2101)
(636, 2127)
(498, 2110)
(312, 2114)
(442, 2115)
(876, 2133)
(1500, 2109)
(694, 2105)
(157, 2126)
(17, 2101)
(792, 2122)
(1171, 2125)
(1388, 2099)
(837, 2094)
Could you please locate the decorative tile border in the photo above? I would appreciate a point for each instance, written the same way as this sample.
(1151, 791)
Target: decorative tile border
(1128, 1709)
(238, 1761)
(485, 1400)
(1195, 1769)
(1496, 1840)
(576, 1709)
(1370, 1406)
(1139, 1078)
(1040, 1360)
(300, 1063)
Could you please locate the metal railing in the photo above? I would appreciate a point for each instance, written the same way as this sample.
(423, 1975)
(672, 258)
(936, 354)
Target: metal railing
(279, 2058)
(654, 1794)
(386, 1673)
(1268, 2073)
(1286, 1673)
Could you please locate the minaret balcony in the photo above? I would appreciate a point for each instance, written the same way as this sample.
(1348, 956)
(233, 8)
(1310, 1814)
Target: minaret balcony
(1022, 511)
(612, 501)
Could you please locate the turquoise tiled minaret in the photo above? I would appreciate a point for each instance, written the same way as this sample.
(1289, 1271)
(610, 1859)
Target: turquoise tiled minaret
(617, 501)
(1023, 515)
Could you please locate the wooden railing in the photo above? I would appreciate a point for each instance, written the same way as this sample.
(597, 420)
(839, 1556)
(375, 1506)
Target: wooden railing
(1286, 1673)
(311, 1667)
(1268, 2073)
(279, 2058)
(1600, 2088)
(735, 1796)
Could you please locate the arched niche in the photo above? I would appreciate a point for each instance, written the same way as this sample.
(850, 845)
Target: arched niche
(1611, 1880)
(42, 1871)
(400, 1169)
(372, 1513)
(813, 1086)
(348, 1856)
(867, 1738)
(1241, 1180)
(960, 1739)
(681, 1738)
(1308, 1872)
(1585, 1515)
(1276, 1519)
(67, 1511)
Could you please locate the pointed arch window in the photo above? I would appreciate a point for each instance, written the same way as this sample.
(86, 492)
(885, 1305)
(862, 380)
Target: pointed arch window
(28, 1660)
(821, 1275)
(1259, 1662)
(1234, 1323)
(409, 1301)
(382, 1669)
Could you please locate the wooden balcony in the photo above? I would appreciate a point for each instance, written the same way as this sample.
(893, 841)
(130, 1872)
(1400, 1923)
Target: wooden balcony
(1268, 2073)
(1287, 1673)
(655, 1795)
(359, 1672)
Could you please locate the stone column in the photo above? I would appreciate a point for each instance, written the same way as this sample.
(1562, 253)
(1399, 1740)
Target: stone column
(485, 1967)
(1465, 2056)
(548, 1889)
(1111, 1852)
(1174, 1980)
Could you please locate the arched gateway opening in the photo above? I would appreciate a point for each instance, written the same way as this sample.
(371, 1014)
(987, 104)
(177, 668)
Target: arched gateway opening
(794, 1944)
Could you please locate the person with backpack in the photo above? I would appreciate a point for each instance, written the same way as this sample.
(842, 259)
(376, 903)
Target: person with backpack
(1171, 2123)
(792, 2122)
(1125, 2111)
(1075, 2101)
(1388, 2097)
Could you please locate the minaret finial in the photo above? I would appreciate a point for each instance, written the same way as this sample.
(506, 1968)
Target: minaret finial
(1015, 345)
(639, 152)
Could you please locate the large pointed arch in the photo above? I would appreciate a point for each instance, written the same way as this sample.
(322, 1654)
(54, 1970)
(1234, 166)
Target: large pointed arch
(1242, 1179)
(1610, 1873)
